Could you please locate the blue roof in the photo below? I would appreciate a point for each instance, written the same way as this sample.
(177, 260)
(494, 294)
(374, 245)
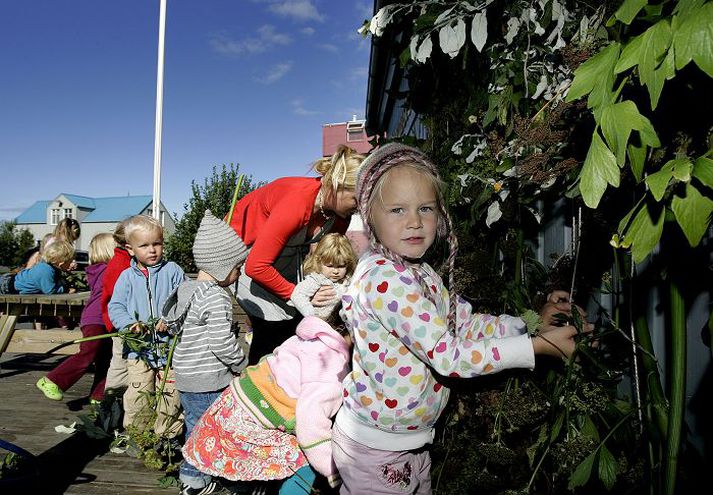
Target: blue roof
(113, 209)
(80, 201)
(117, 208)
(37, 213)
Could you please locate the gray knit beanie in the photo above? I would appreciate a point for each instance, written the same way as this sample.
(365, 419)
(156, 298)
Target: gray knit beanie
(217, 248)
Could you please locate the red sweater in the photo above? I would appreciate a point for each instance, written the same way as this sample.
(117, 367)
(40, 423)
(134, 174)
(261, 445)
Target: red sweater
(120, 262)
(267, 217)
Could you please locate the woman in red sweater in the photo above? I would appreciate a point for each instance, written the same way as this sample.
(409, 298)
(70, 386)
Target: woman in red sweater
(278, 222)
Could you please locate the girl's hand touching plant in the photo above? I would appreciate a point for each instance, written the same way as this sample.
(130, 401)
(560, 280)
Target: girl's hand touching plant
(556, 335)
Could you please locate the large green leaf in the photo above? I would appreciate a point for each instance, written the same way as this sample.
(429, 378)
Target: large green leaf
(663, 73)
(656, 41)
(645, 231)
(581, 475)
(693, 211)
(607, 467)
(693, 38)
(703, 171)
(637, 158)
(595, 75)
(682, 169)
(617, 122)
(628, 10)
(658, 182)
(599, 169)
(629, 55)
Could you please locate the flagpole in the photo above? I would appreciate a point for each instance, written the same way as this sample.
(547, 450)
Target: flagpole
(156, 207)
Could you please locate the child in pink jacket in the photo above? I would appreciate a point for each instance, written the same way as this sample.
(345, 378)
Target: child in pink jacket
(274, 421)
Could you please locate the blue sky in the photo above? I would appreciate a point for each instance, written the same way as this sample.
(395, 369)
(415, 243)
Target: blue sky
(245, 81)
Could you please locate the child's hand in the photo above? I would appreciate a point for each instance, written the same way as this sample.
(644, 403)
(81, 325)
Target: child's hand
(161, 326)
(324, 296)
(558, 304)
(72, 290)
(138, 327)
(557, 342)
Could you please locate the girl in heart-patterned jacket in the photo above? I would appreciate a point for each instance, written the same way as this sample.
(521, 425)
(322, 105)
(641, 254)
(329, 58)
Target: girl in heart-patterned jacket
(409, 331)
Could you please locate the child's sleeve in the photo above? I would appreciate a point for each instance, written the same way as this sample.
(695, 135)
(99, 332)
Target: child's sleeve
(303, 293)
(222, 342)
(50, 282)
(483, 325)
(397, 301)
(118, 309)
(318, 402)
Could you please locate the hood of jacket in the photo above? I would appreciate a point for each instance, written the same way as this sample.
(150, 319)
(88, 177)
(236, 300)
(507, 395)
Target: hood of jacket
(311, 327)
(94, 273)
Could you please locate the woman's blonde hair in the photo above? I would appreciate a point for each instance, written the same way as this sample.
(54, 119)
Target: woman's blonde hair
(339, 171)
(68, 230)
(59, 251)
(101, 248)
(143, 223)
(332, 249)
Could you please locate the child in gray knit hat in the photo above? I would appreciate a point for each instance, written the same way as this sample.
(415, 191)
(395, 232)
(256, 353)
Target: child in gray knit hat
(209, 353)
(332, 264)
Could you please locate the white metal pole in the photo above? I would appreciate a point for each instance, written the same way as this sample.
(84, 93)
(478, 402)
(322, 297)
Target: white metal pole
(159, 114)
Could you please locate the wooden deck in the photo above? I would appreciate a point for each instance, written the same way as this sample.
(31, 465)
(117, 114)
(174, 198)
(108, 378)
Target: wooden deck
(70, 464)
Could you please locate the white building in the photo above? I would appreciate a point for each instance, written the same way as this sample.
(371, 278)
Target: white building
(95, 215)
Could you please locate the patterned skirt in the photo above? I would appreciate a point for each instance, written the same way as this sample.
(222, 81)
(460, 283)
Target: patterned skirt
(229, 442)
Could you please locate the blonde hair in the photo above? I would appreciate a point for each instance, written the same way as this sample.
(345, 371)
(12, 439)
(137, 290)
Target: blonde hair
(45, 239)
(101, 248)
(339, 171)
(143, 223)
(67, 230)
(332, 249)
(120, 234)
(60, 251)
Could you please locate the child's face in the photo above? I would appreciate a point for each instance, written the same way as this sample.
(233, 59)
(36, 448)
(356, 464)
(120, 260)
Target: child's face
(232, 277)
(334, 272)
(345, 204)
(405, 218)
(146, 246)
(65, 266)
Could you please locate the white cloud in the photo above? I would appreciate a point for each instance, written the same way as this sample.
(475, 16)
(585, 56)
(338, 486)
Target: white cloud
(266, 38)
(298, 108)
(308, 31)
(299, 10)
(328, 47)
(276, 72)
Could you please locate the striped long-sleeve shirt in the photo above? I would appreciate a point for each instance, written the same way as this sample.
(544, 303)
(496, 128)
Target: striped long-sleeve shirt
(209, 352)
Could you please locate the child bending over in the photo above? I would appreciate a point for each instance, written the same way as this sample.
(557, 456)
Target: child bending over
(208, 354)
(276, 417)
(45, 276)
(139, 293)
(331, 264)
(408, 330)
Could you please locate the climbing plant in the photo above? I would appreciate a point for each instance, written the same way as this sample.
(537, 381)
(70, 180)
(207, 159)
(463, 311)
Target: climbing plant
(600, 111)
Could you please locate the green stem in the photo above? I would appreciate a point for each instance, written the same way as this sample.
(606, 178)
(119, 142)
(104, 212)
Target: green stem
(235, 198)
(653, 388)
(678, 387)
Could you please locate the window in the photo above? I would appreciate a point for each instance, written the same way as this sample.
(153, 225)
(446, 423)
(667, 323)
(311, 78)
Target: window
(68, 213)
(54, 220)
(355, 131)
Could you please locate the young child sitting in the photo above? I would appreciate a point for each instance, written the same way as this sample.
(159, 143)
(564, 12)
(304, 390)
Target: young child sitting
(332, 264)
(98, 352)
(45, 276)
(139, 294)
(276, 417)
(208, 354)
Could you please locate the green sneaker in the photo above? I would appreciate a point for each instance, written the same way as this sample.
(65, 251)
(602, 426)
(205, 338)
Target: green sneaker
(50, 389)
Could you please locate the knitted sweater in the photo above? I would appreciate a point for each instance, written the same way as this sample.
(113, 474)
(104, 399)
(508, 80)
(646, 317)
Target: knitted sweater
(393, 398)
(308, 287)
(267, 218)
(208, 353)
(117, 264)
(298, 389)
(42, 278)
